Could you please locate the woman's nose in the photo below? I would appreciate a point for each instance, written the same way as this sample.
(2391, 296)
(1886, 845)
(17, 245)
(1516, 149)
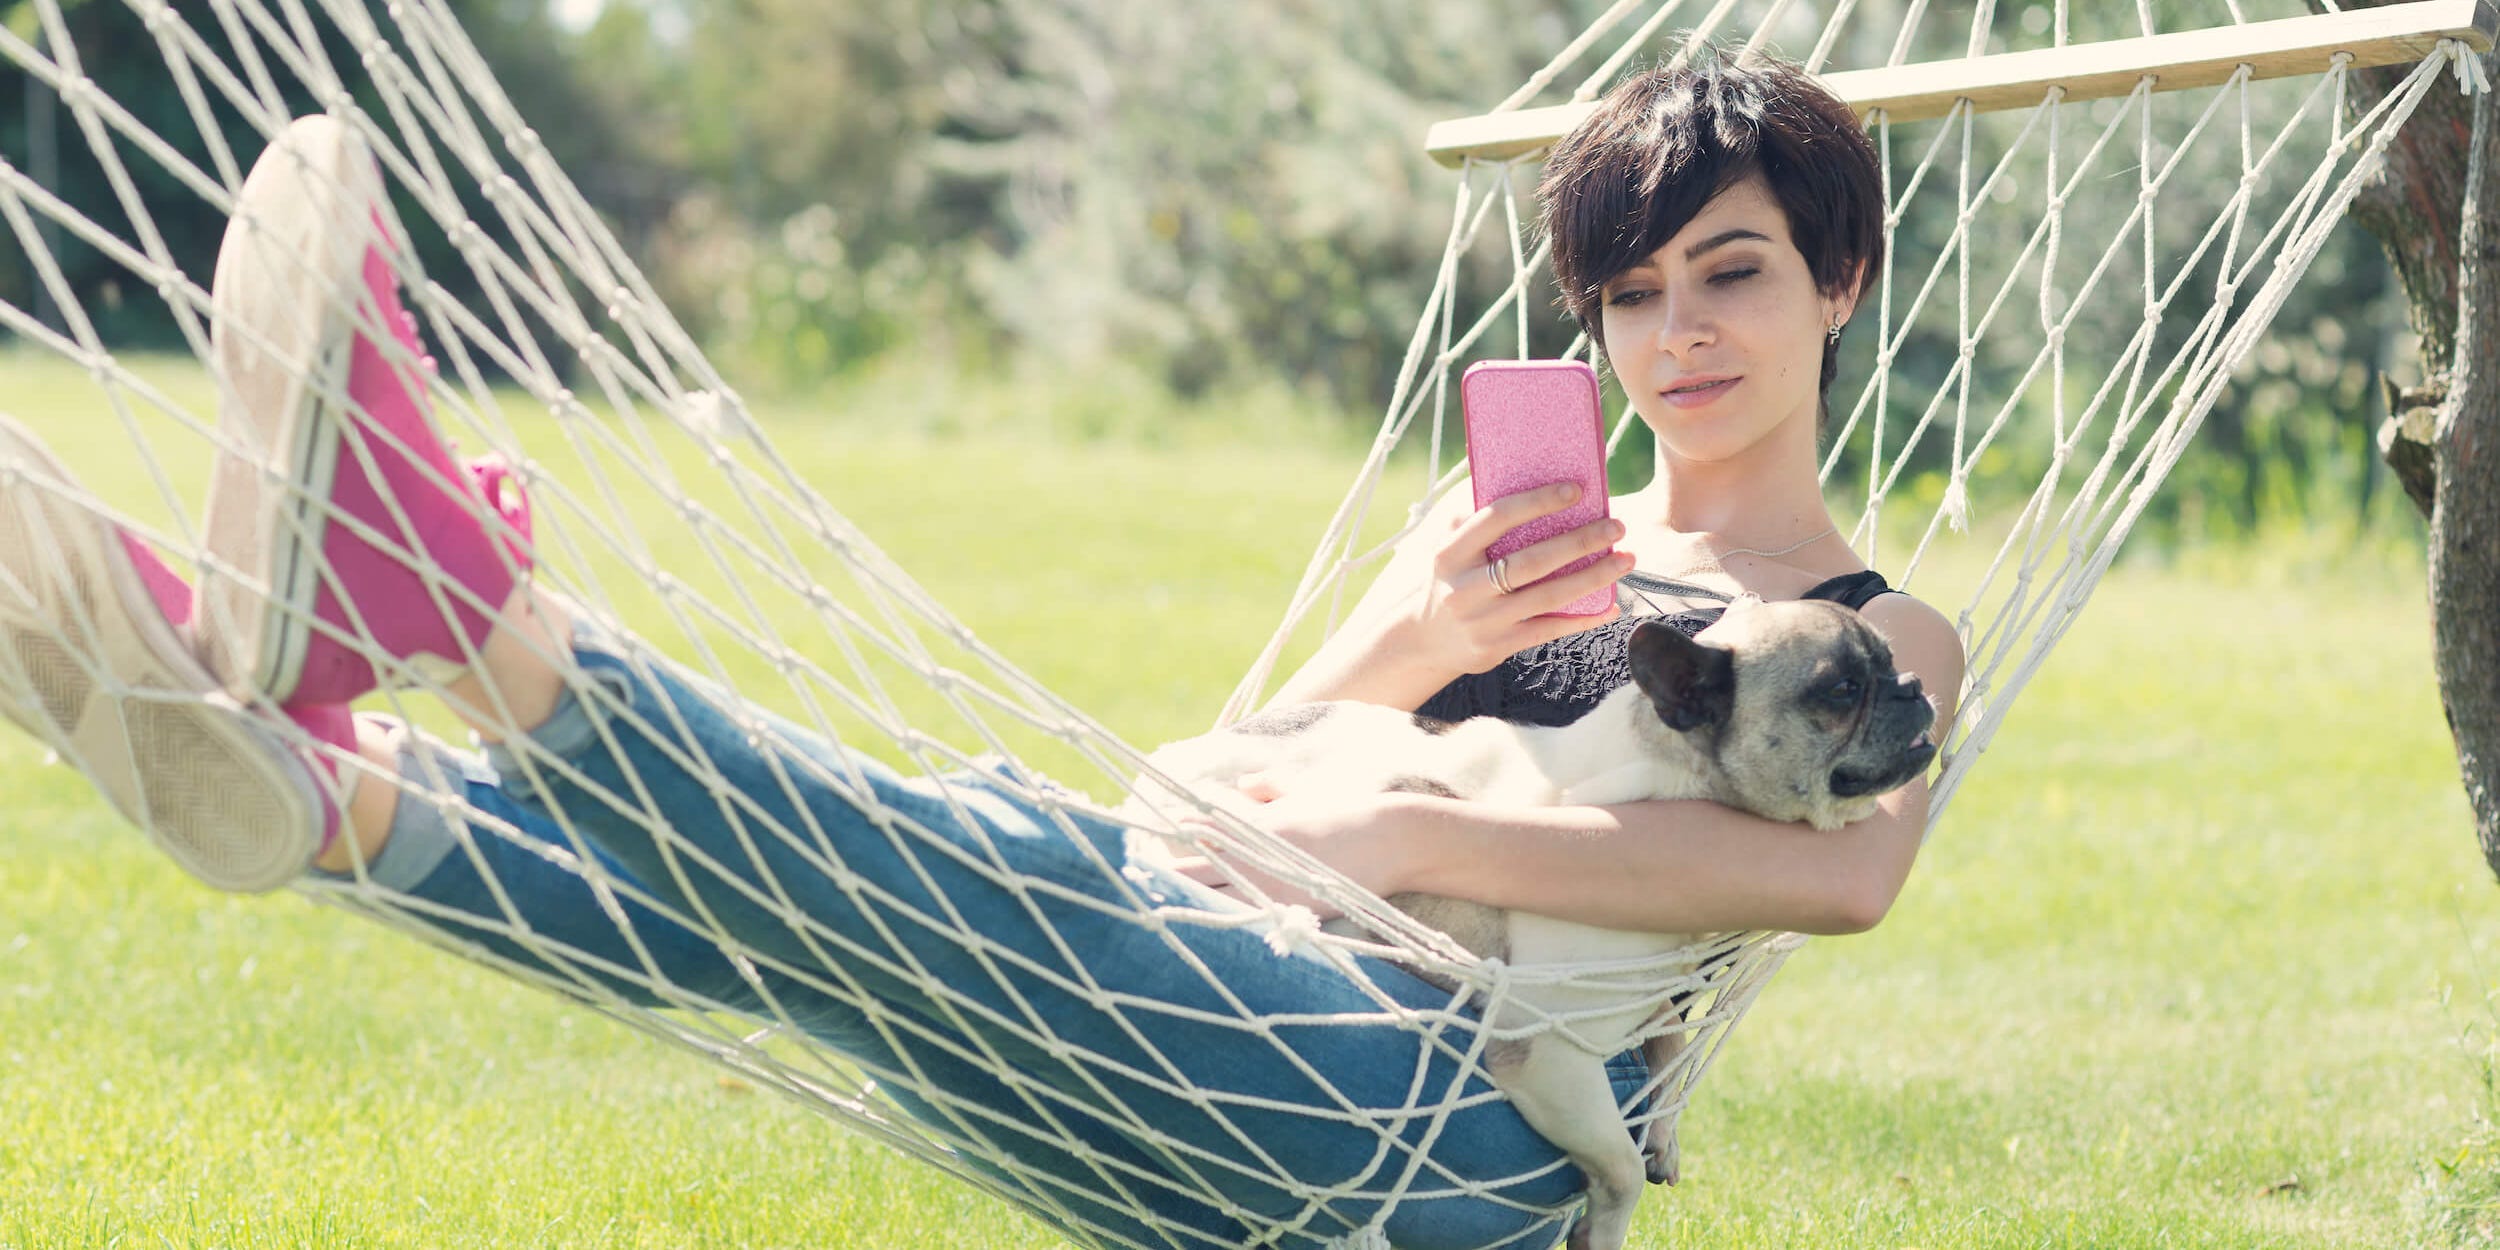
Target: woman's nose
(1685, 327)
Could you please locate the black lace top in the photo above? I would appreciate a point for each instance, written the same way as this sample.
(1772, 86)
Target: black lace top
(1556, 683)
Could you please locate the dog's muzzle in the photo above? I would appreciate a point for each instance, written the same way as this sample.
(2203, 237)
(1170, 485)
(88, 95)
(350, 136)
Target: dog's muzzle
(1901, 715)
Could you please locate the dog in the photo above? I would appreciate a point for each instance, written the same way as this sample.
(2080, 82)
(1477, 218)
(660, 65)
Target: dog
(1790, 710)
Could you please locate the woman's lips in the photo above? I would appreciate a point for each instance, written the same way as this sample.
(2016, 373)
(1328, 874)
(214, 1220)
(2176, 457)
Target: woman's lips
(1698, 392)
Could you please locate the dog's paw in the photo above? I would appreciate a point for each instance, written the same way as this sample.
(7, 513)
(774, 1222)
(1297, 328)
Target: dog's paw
(1585, 1235)
(1665, 1162)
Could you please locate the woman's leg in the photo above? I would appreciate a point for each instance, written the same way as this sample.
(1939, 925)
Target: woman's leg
(1300, 1091)
(1315, 1094)
(93, 662)
(355, 548)
(463, 858)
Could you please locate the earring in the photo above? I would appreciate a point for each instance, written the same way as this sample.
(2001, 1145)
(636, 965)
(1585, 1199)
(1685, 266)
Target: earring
(1834, 337)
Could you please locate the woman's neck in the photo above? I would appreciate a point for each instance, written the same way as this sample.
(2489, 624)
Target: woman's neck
(1767, 496)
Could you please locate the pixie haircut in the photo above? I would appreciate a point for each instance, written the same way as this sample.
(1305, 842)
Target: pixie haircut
(1665, 143)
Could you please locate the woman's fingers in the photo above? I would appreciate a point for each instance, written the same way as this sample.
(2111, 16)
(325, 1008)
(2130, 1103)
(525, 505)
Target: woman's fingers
(1478, 530)
(1204, 871)
(1568, 588)
(1249, 885)
(1542, 559)
(1466, 550)
(1541, 577)
(1258, 787)
(1472, 619)
(1547, 627)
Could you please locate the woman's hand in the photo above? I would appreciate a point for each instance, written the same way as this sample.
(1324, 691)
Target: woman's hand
(1434, 614)
(1468, 624)
(1355, 834)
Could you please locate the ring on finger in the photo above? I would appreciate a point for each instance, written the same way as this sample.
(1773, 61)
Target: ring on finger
(1498, 572)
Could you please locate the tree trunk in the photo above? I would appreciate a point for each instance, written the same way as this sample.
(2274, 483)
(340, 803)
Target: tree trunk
(2443, 435)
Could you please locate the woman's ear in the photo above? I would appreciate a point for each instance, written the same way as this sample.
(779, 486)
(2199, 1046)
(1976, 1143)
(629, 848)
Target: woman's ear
(1845, 300)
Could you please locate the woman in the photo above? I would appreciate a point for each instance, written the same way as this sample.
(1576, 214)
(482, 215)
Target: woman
(1711, 230)
(1181, 1083)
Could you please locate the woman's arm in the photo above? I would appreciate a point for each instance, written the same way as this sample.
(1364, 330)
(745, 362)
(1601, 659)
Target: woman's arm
(1693, 866)
(1689, 866)
(1660, 867)
(1432, 615)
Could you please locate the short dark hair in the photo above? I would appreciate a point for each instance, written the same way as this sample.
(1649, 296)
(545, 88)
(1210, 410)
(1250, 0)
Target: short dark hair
(1666, 142)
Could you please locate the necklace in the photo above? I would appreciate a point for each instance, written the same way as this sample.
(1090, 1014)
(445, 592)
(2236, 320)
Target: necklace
(1713, 560)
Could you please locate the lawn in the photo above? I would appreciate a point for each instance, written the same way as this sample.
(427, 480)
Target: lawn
(2199, 957)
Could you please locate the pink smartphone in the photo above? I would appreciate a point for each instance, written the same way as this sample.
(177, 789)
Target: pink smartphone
(1532, 423)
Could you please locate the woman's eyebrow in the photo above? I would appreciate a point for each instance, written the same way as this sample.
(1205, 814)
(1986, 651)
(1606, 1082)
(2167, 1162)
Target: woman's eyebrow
(1722, 239)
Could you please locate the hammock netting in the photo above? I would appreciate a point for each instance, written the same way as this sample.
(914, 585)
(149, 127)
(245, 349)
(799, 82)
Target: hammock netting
(1992, 453)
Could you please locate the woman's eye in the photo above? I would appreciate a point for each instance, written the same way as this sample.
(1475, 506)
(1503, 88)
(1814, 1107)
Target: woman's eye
(1732, 277)
(1627, 298)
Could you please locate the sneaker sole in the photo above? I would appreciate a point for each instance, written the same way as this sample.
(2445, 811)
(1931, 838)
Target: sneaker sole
(288, 256)
(90, 665)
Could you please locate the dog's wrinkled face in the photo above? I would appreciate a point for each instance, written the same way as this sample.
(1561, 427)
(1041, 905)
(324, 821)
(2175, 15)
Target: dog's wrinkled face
(1798, 703)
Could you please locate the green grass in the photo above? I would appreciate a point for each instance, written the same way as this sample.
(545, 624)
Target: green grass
(2187, 963)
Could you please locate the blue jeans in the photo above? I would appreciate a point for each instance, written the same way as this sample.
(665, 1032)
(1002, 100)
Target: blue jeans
(1112, 1046)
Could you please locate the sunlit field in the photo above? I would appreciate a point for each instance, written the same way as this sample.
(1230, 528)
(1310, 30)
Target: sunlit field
(2198, 957)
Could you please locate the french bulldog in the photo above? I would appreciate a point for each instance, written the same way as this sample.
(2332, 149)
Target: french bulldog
(1790, 710)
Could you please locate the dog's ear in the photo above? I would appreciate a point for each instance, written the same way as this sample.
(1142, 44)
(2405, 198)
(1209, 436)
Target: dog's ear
(1691, 683)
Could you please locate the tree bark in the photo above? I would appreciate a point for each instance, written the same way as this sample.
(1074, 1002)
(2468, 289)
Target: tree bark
(2443, 434)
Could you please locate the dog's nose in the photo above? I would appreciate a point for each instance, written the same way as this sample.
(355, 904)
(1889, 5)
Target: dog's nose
(1905, 686)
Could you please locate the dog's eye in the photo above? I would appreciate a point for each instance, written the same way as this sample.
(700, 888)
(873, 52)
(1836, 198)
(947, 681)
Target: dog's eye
(1843, 691)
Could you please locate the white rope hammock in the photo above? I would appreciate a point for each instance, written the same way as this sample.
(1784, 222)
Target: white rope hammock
(2169, 224)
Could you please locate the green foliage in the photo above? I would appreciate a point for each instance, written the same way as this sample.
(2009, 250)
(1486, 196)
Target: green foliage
(620, 166)
(1220, 193)
(1216, 199)
(789, 307)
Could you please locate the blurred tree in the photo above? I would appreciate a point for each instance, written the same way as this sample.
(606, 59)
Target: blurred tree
(1225, 191)
(2435, 209)
(623, 169)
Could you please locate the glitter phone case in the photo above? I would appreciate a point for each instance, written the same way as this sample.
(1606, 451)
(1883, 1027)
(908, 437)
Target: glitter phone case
(1532, 423)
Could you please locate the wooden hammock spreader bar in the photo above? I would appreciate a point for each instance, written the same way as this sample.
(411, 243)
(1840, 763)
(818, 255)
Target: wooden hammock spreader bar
(2395, 34)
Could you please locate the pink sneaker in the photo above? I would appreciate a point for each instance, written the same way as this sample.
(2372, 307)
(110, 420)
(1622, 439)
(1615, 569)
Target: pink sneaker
(359, 553)
(93, 662)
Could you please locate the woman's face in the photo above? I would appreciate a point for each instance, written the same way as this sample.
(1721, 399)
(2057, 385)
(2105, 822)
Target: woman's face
(1718, 336)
